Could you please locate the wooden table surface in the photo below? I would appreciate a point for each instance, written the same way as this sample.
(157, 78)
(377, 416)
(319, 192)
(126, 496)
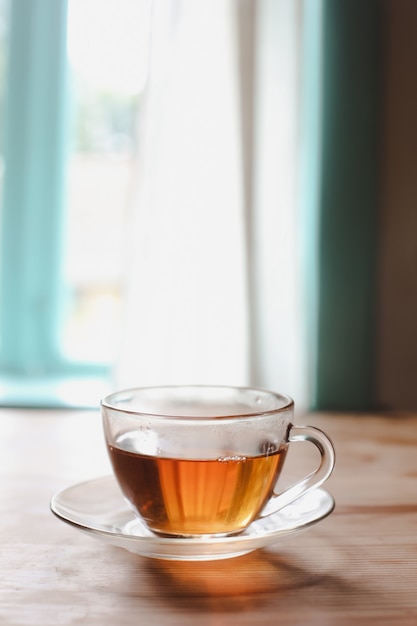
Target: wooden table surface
(358, 566)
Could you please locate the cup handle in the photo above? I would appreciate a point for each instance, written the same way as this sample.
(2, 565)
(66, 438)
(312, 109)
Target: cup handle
(311, 481)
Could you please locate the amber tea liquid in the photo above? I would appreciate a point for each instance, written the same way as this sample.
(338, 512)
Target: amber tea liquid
(194, 497)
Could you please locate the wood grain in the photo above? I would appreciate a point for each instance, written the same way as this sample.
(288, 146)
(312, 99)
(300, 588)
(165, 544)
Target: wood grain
(360, 564)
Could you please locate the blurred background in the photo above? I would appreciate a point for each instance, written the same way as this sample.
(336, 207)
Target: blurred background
(218, 192)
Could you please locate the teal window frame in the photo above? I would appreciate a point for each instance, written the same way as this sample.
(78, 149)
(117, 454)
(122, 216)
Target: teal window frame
(33, 369)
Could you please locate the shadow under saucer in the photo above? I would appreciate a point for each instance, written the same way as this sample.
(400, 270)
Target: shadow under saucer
(259, 572)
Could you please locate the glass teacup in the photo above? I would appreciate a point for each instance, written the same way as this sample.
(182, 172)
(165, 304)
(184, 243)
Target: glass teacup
(206, 460)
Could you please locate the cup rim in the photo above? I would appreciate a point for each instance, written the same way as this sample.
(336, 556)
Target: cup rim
(109, 402)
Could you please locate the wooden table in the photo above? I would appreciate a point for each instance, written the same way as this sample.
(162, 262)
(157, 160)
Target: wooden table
(358, 566)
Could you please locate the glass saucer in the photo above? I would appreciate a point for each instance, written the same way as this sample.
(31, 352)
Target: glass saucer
(97, 507)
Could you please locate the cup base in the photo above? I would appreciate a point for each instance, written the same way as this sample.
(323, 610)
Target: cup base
(198, 536)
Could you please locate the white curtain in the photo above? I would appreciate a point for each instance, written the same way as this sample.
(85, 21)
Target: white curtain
(213, 291)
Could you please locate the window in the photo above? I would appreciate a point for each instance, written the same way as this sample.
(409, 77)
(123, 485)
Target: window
(69, 101)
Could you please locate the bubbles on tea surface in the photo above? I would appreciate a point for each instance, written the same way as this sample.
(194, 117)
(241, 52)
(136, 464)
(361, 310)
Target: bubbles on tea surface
(232, 459)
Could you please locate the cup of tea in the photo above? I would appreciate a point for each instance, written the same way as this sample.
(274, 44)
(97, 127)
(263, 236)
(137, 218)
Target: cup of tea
(198, 460)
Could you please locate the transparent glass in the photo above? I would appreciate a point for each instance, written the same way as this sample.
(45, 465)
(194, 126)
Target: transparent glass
(197, 461)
